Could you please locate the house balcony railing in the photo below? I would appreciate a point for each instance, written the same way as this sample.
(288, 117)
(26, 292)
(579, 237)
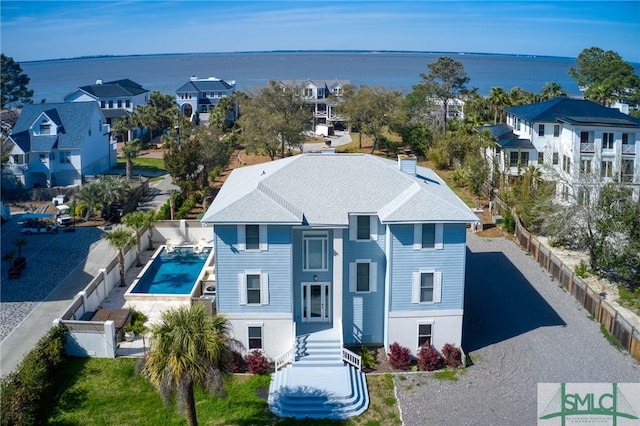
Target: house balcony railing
(627, 178)
(587, 147)
(628, 148)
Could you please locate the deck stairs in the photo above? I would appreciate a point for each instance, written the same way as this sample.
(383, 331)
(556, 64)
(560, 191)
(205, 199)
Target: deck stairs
(318, 384)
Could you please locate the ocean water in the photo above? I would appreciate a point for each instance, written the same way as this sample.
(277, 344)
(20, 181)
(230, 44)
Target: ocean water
(53, 79)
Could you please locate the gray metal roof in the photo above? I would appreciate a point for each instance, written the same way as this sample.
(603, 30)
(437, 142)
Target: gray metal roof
(322, 190)
(115, 89)
(579, 110)
(74, 119)
(204, 85)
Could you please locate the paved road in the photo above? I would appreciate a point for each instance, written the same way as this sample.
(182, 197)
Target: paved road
(340, 138)
(520, 329)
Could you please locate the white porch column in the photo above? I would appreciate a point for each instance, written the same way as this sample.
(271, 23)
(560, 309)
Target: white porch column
(338, 248)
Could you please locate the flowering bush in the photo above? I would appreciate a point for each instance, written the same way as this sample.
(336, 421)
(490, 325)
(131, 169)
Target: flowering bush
(257, 362)
(428, 358)
(452, 355)
(399, 356)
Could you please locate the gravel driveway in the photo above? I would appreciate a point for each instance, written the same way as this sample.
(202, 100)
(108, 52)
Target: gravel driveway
(520, 329)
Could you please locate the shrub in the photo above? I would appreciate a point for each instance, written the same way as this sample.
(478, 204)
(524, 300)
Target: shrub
(452, 355)
(581, 269)
(137, 322)
(508, 222)
(428, 358)
(237, 363)
(257, 362)
(366, 358)
(25, 395)
(399, 356)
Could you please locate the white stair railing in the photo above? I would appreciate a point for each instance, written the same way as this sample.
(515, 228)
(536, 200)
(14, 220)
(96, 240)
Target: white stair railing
(351, 358)
(284, 359)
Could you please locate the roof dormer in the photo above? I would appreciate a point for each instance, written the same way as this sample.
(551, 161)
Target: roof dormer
(44, 125)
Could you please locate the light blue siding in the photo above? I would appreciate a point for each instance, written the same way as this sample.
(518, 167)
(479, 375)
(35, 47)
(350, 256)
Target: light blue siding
(405, 261)
(276, 262)
(363, 313)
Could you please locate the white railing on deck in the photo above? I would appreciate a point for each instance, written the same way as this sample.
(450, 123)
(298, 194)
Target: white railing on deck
(352, 358)
(284, 359)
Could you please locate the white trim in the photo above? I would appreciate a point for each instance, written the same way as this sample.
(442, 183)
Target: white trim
(315, 235)
(264, 242)
(439, 236)
(353, 276)
(438, 239)
(422, 313)
(420, 322)
(261, 327)
(264, 287)
(416, 282)
(242, 237)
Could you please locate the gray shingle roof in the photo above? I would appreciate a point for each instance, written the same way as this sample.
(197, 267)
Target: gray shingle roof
(573, 110)
(74, 117)
(322, 190)
(196, 86)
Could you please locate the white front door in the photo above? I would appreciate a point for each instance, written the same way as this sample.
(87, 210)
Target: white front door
(316, 302)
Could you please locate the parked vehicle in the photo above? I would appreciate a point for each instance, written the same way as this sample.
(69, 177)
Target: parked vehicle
(38, 223)
(63, 217)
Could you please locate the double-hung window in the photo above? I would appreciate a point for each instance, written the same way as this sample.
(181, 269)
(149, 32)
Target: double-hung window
(65, 157)
(426, 286)
(254, 340)
(556, 130)
(363, 228)
(254, 288)
(607, 141)
(252, 238)
(425, 331)
(427, 236)
(540, 129)
(363, 276)
(315, 255)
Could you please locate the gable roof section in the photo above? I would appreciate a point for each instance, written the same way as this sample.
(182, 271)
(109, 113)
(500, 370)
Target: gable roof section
(114, 89)
(74, 119)
(504, 136)
(323, 190)
(574, 111)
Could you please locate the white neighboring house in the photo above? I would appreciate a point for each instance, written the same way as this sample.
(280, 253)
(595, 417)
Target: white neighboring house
(117, 98)
(577, 143)
(201, 95)
(322, 95)
(58, 144)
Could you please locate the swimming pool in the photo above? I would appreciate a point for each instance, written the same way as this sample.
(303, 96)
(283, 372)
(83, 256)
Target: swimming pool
(171, 275)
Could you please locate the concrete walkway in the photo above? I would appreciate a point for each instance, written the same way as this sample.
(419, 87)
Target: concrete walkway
(340, 138)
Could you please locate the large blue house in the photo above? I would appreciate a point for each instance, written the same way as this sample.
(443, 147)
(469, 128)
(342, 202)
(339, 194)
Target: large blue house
(368, 247)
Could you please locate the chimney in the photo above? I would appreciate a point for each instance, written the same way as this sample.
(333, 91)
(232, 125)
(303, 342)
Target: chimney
(98, 81)
(408, 162)
(194, 77)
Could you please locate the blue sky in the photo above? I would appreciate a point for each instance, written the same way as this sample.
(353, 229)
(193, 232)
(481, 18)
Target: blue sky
(35, 30)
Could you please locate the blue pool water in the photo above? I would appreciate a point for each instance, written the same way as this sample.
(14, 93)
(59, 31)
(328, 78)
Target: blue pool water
(172, 273)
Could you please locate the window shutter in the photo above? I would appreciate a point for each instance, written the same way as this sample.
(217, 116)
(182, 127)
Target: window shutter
(415, 288)
(417, 236)
(353, 228)
(373, 276)
(353, 277)
(264, 289)
(242, 239)
(264, 244)
(439, 232)
(242, 288)
(437, 287)
(373, 227)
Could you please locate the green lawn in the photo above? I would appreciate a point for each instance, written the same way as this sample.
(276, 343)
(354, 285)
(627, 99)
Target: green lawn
(141, 163)
(94, 391)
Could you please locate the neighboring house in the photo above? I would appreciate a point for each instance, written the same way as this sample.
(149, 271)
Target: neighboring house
(577, 143)
(455, 108)
(201, 95)
(117, 98)
(322, 95)
(371, 249)
(57, 144)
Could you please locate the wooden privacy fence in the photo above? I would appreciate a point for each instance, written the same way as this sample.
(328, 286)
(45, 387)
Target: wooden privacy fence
(601, 310)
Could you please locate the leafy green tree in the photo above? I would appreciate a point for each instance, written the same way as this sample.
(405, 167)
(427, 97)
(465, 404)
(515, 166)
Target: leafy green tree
(183, 162)
(136, 221)
(519, 96)
(375, 110)
(417, 136)
(445, 81)
(120, 239)
(188, 348)
(13, 89)
(219, 117)
(551, 90)
(605, 76)
(274, 118)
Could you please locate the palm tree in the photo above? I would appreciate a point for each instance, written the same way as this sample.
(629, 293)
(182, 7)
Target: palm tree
(498, 99)
(188, 347)
(90, 196)
(130, 151)
(552, 90)
(8, 257)
(112, 189)
(120, 239)
(19, 243)
(149, 221)
(136, 221)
